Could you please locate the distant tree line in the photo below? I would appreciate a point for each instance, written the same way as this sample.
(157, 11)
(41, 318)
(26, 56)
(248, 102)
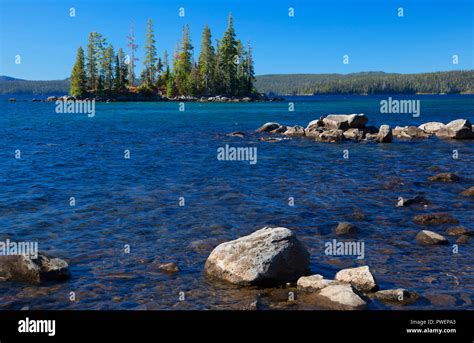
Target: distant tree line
(368, 83)
(224, 68)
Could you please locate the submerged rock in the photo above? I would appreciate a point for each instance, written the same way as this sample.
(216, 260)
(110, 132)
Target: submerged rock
(427, 237)
(267, 127)
(269, 256)
(444, 177)
(345, 228)
(458, 231)
(169, 267)
(342, 297)
(463, 239)
(314, 282)
(384, 135)
(361, 278)
(236, 134)
(397, 296)
(435, 219)
(468, 192)
(30, 270)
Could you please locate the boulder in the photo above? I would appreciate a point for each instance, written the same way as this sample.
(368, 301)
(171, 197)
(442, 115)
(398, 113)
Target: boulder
(468, 192)
(456, 129)
(463, 239)
(280, 129)
(342, 297)
(314, 282)
(345, 121)
(354, 134)
(236, 134)
(313, 132)
(330, 136)
(361, 278)
(435, 219)
(269, 256)
(427, 237)
(51, 98)
(294, 131)
(419, 200)
(432, 127)
(267, 127)
(384, 135)
(315, 123)
(444, 177)
(409, 132)
(33, 270)
(397, 296)
(345, 228)
(169, 267)
(458, 231)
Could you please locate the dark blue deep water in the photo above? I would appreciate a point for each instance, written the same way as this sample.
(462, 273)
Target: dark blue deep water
(173, 154)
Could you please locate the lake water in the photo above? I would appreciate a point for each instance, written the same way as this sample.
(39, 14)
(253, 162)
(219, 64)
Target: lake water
(173, 154)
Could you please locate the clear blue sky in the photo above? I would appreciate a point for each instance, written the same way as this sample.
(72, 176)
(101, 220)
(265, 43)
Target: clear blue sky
(313, 41)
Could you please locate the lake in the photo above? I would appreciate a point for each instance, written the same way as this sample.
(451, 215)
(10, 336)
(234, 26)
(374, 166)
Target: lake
(134, 202)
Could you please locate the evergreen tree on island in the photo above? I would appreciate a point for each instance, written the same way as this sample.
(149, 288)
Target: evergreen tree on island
(78, 75)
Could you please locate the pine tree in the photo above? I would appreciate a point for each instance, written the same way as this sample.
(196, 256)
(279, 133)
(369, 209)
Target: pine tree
(206, 63)
(249, 72)
(183, 64)
(91, 63)
(108, 67)
(78, 75)
(150, 55)
(228, 53)
(132, 48)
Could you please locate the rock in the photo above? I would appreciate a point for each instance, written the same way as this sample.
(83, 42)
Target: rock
(280, 129)
(361, 278)
(345, 228)
(457, 129)
(468, 192)
(51, 98)
(409, 132)
(314, 282)
(458, 231)
(463, 239)
(384, 135)
(236, 134)
(354, 134)
(345, 121)
(435, 219)
(432, 127)
(294, 131)
(342, 297)
(269, 256)
(427, 237)
(444, 177)
(270, 139)
(169, 267)
(330, 136)
(27, 269)
(12, 100)
(402, 202)
(313, 132)
(315, 123)
(397, 296)
(267, 127)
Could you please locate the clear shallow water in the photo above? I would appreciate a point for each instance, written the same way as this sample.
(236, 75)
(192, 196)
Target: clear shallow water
(173, 154)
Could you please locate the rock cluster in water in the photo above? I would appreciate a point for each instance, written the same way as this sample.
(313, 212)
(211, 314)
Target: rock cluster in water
(353, 127)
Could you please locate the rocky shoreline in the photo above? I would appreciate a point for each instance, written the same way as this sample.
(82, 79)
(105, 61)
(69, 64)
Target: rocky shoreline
(335, 128)
(135, 97)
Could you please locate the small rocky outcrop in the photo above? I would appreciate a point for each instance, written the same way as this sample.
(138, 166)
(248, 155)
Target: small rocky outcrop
(345, 121)
(468, 192)
(433, 219)
(458, 231)
(409, 132)
(269, 256)
(456, 129)
(361, 278)
(33, 270)
(314, 282)
(427, 237)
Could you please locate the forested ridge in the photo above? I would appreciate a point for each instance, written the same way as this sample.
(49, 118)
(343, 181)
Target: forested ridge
(367, 83)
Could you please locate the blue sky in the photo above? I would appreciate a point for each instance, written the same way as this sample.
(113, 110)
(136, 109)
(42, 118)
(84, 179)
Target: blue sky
(313, 41)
